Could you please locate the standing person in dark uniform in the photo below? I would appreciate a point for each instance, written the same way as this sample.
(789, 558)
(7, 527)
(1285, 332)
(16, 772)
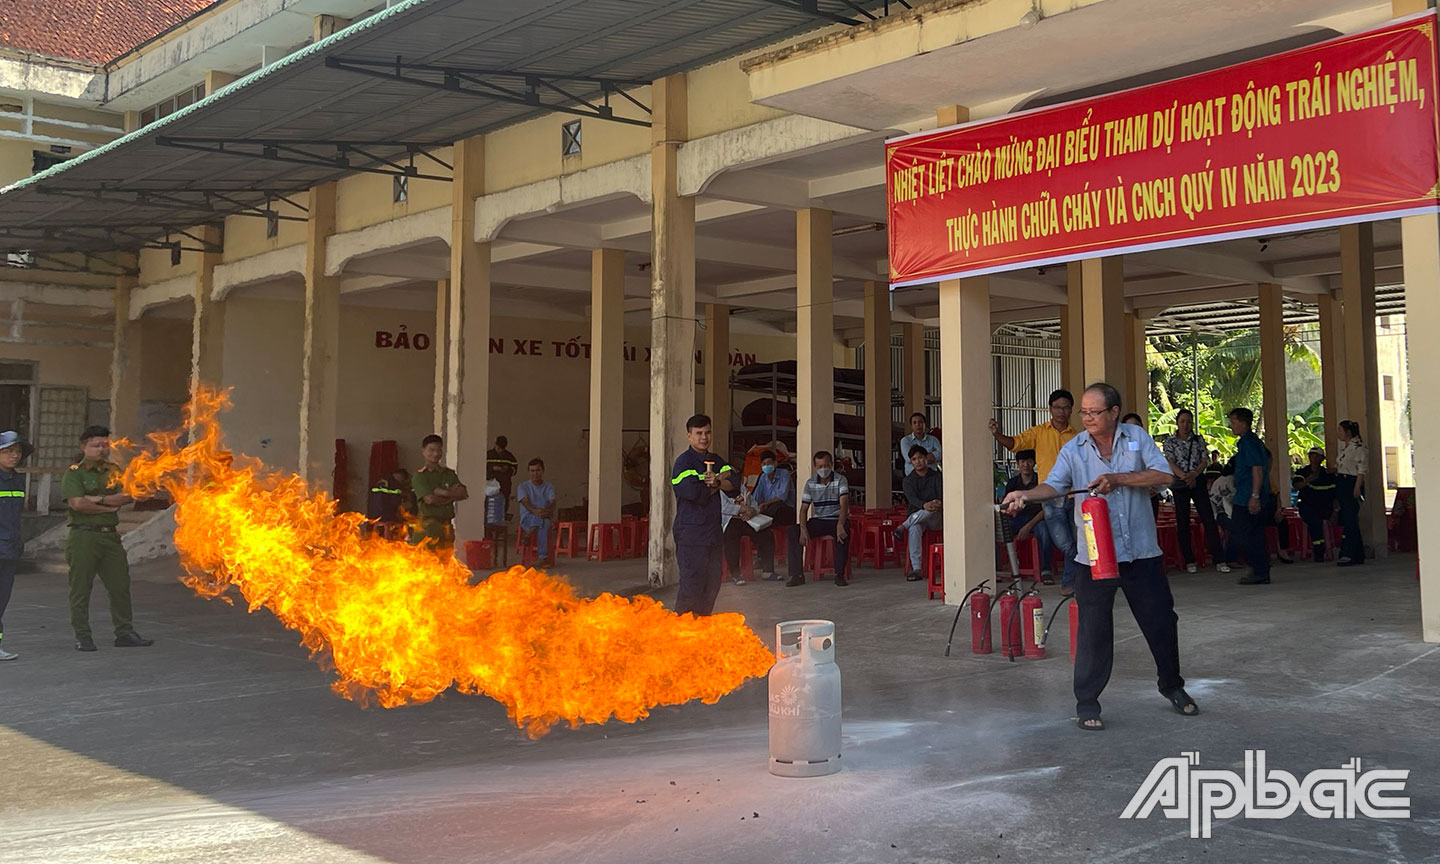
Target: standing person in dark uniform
(12, 502)
(697, 480)
(1252, 494)
(500, 466)
(1316, 500)
(437, 490)
(1121, 462)
(390, 504)
(1350, 466)
(91, 489)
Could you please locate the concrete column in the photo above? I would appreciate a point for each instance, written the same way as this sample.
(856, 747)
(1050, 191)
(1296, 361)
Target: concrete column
(1137, 377)
(125, 366)
(207, 335)
(1362, 379)
(327, 25)
(1103, 295)
(1275, 411)
(717, 377)
(912, 372)
(965, 401)
(1421, 239)
(672, 316)
(320, 368)
(607, 382)
(215, 79)
(814, 333)
(442, 352)
(1072, 332)
(1332, 372)
(877, 396)
(467, 400)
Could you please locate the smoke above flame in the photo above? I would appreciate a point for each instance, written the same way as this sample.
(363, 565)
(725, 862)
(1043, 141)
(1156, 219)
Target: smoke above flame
(400, 625)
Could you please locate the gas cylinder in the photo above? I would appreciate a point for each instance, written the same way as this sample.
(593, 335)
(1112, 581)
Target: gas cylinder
(1099, 541)
(804, 700)
(1032, 621)
(1009, 627)
(980, 623)
(1074, 628)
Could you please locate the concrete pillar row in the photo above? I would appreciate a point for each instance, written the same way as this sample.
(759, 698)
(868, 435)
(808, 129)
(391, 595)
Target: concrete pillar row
(1102, 288)
(1275, 411)
(1420, 236)
(467, 395)
(1072, 332)
(607, 383)
(814, 333)
(717, 376)
(672, 316)
(965, 400)
(1362, 372)
(125, 364)
(207, 347)
(878, 477)
(1334, 396)
(320, 368)
(912, 373)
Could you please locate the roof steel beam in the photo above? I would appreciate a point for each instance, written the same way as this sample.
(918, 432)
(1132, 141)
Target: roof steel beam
(294, 152)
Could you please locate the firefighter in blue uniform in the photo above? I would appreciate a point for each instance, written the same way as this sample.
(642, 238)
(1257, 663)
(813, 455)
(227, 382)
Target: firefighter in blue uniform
(697, 479)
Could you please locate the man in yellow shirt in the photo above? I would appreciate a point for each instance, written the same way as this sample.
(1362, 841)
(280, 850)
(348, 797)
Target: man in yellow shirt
(1046, 440)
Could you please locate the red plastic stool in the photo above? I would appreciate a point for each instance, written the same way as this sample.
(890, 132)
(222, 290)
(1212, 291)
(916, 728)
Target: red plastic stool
(926, 540)
(479, 554)
(604, 542)
(747, 562)
(782, 543)
(1169, 537)
(629, 538)
(935, 571)
(820, 557)
(529, 552)
(569, 539)
(872, 546)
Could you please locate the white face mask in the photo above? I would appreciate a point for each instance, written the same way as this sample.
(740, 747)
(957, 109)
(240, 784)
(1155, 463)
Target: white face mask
(824, 473)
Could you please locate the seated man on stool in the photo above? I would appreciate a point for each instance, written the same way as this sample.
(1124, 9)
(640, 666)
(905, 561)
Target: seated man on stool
(828, 494)
(775, 497)
(735, 516)
(922, 496)
(537, 510)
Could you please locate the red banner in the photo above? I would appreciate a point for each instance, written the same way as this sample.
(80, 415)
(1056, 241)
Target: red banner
(1341, 131)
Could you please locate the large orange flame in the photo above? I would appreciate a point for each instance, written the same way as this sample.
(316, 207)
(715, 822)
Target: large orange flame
(401, 625)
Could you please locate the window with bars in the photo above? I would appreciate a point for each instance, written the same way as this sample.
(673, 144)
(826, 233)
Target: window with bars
(63, 411)
(400, 188)
(570, 138)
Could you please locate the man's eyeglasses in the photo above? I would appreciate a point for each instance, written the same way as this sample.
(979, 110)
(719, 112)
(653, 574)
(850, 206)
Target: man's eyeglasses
(1090, 415)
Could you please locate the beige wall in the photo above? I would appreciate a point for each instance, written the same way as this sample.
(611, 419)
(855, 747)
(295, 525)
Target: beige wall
(263, 351)
(165, 360)
(1393, 362)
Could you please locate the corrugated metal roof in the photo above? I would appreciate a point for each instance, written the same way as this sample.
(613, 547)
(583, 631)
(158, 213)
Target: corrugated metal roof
(302, 98)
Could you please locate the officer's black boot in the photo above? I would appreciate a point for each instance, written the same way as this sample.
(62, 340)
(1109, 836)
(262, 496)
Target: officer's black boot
(85, 643)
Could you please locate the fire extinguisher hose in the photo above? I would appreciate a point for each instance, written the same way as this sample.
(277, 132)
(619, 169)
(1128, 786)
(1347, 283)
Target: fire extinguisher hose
(1058, 606)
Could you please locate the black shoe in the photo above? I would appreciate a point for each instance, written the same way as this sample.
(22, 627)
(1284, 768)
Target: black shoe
(796, 581)
(85, 643)
(913, 576)
(1252, 579)
(133, 640)
(841, 581)
(902, 538)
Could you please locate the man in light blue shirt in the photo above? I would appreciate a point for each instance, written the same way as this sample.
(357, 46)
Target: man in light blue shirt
(774, 496)
(536, 498)
(920, 435)
(1122, 463)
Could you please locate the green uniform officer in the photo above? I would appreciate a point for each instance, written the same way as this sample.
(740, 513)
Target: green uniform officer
(437, 489)
(91, 488)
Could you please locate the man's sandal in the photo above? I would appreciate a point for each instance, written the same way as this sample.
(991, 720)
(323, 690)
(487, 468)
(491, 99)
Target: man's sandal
(1090, 724)
(1180, 700)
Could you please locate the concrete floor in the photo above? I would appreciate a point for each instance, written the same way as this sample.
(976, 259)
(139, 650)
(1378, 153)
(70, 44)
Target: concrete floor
(224, 743)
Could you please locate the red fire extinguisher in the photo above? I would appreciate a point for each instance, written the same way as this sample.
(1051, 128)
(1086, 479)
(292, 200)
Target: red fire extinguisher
(1009, 627)
(1032, 620)
(1099, 540)
(980, 623)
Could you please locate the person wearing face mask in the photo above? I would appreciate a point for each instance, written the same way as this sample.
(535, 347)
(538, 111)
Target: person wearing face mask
(775, 497)
(827, 495)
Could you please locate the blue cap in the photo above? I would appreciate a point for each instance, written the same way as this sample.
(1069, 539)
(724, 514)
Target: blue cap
(9, 439)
